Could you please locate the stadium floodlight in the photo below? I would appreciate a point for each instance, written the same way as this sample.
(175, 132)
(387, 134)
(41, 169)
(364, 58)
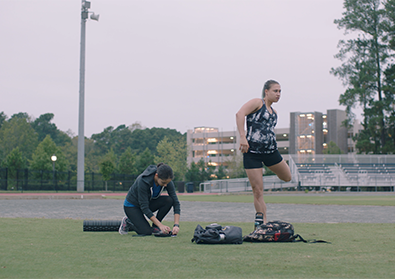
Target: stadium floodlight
(95, 16)
(81, 135)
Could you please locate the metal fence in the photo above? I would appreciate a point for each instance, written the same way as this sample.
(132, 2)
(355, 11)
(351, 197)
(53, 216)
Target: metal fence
(331, 176)
(272, 183)
(41, 180)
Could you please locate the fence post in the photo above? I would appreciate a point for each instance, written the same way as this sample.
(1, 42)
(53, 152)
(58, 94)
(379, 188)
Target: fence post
(56, 181)
(93, 181)
(68, 180)
(26, 185)
(17, 180)
(6, 179)
(41, 179)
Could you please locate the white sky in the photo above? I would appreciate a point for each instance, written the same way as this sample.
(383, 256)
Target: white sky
(166, 63)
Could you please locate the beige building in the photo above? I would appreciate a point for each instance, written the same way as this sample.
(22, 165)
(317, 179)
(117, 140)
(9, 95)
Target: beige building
(211, 145)
(217, 147)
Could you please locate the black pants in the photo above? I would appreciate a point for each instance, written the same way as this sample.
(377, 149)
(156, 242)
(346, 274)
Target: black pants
(162, 204)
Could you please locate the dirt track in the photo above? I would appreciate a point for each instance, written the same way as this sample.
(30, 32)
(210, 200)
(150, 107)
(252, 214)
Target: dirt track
(96, 208)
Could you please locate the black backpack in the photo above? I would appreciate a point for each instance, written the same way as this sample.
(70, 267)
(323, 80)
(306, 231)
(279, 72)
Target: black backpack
(276, 231)
(216, 234)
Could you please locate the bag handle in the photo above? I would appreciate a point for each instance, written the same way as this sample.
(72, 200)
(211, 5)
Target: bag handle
(295, 239)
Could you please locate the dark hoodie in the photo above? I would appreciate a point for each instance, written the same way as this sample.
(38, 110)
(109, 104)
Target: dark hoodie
(140, 193)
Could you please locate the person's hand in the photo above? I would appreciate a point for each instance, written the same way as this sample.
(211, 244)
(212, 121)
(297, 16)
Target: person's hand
(243, 145)
(164, 229)
(175, 230)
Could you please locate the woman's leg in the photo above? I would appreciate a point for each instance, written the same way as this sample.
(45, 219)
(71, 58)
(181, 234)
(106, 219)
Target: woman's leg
(255, 176)
(138, 219)
(282, 171)
(163, 204)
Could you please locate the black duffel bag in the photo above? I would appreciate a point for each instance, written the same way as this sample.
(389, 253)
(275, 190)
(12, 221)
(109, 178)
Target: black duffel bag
(216, 234)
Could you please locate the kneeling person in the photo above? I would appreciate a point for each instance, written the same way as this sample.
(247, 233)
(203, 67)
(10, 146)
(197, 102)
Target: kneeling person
(144, 198)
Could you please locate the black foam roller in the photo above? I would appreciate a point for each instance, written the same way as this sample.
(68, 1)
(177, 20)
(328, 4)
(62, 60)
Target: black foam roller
(101, 225)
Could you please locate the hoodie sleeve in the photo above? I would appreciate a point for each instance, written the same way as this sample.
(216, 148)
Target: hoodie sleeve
(171, 190)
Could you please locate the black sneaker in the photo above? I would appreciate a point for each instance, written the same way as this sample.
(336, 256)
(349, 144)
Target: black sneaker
(162, 234)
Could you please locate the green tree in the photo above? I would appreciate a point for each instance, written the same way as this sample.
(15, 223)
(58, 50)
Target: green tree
(3, 118)
(138, 139)
(17, 132)
(127, 162)
(193, 173)
(149, 138)
(173, 154)
(107, 166)
(119, 139)
(70, 152)
(92, 158)
(14, 162)
(200, 171)
(221, 173)
(389, 99)
(43, 126)
(235, 167)
(41, 159)
(364, 60)
(144, 160)
(389, 80)
(20, 115)
(332, 148)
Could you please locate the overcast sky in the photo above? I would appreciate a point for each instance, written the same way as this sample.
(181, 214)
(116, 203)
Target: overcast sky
(166, 63)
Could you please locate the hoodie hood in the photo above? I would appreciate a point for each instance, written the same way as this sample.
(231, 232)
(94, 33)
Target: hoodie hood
(150, 170)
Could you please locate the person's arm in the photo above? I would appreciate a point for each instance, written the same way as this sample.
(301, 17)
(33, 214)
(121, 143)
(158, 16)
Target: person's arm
(171, 190)
(245, 110)
(176, 227)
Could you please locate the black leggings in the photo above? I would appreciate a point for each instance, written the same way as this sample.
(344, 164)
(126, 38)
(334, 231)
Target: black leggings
(162, 204)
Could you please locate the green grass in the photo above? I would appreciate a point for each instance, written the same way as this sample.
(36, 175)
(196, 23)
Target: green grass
(48, 248)
(379, 200)
(299, 199)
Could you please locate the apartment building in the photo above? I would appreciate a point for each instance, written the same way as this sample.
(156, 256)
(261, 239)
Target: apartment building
(212, 145)
(218, 147)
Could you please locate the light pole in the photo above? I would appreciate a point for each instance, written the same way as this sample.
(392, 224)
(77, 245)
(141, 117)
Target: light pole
(81, 135)
(53, 159)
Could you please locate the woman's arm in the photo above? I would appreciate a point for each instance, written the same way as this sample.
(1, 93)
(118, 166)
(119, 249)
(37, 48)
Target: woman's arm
(176, 227)
(248, 108)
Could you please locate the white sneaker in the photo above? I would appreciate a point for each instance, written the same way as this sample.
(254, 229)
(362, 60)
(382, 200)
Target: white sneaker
(123, 228)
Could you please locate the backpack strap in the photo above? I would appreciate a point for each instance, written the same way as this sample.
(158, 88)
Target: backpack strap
(298, 238)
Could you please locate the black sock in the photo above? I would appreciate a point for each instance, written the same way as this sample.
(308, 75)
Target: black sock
(258, 219)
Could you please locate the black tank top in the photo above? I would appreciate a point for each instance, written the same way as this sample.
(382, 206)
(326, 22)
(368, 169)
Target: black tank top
(260, 131)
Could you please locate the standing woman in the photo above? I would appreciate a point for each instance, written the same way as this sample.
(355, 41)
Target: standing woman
(144, 198)
(259, 145)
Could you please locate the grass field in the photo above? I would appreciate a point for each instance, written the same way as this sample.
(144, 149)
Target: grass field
(388, 200)
(58, 248)
(44, 248)
(380, 200)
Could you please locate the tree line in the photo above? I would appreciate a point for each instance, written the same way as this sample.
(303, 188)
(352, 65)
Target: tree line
(27, 143)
